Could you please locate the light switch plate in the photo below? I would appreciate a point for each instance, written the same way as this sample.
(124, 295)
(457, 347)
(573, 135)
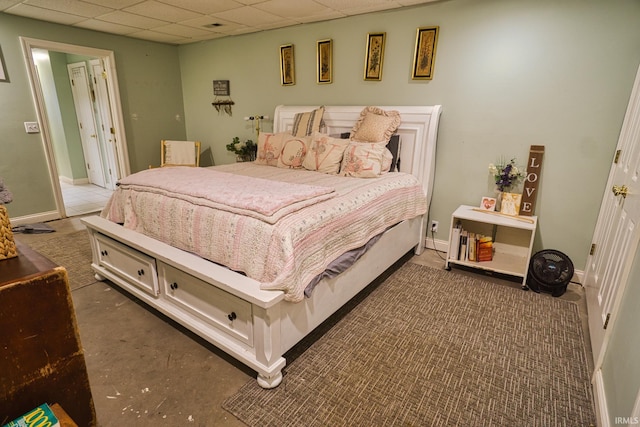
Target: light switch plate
(32, 127)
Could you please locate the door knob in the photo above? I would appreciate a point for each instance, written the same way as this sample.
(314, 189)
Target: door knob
(620, 190)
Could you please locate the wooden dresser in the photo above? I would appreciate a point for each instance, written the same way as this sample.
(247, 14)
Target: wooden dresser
(41, 358)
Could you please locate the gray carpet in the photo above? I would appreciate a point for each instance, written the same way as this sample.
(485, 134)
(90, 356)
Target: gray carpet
(72, 251)
(434, 348)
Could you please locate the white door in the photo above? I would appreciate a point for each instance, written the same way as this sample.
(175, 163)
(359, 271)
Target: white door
(86, 122)
(617, 231)
(106, 128)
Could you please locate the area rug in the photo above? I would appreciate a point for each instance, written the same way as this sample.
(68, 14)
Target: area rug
(434, 348)
(72, 251)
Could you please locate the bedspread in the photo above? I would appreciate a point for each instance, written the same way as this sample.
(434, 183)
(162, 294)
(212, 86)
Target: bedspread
(289, 253)
(268, 200)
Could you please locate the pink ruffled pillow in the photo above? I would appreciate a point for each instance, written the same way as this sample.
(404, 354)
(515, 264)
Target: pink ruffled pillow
(375, 124)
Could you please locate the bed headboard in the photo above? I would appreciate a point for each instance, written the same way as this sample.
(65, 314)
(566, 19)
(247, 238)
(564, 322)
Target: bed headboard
(418, 133)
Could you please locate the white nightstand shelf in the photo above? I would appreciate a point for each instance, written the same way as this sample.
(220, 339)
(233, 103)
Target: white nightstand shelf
(512, 240)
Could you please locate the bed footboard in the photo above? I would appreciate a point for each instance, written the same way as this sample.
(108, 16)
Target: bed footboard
(226, 308)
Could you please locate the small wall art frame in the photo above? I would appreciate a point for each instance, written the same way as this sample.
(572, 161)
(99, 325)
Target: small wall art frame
(324, 57)
(425, 53)
(287, 65)
(221, 88)
(374, 56)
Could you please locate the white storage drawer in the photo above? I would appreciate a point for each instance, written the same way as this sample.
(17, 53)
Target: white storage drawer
(218, 308)
(132, 265)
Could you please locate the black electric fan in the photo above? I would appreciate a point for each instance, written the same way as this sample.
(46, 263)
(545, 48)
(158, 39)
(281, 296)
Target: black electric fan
(549, 271)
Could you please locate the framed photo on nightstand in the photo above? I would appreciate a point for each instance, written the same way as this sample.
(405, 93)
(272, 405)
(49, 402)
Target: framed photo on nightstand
(488, 204)
(510, 204)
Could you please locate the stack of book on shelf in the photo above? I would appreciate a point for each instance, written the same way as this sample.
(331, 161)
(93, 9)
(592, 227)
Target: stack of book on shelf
(468, 246)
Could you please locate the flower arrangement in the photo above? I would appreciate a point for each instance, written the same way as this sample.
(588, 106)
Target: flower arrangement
(505, 174)
(245, 151)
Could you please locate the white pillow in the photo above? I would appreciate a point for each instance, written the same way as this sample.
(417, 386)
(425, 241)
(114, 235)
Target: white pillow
(366, 159)
(325, 153)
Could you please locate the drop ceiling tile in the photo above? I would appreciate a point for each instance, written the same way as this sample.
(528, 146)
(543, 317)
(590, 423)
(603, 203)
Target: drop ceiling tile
(181, 30)
(44, 14)
(233, 29)
(130, 19)
(248, 16)
(343, 5)
(325, 16)
(205, 6)
(157, 37)
(162, 11)
(293, 10)
(203, 21)
(277, 24)
(73, 7)
(6, 4)
(368, 9)
(413, 2)
(250, 2)
(106, 27)
(114, 4)
(210, 36)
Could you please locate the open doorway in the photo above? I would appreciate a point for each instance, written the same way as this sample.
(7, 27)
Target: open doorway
(77, 98)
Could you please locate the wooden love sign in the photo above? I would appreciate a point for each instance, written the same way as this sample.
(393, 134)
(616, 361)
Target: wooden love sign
(531, 181)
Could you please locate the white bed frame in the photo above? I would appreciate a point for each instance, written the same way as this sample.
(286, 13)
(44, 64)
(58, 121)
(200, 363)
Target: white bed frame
(230, 310)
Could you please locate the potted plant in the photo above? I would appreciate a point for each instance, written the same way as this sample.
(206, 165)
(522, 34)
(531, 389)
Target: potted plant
(244, 151)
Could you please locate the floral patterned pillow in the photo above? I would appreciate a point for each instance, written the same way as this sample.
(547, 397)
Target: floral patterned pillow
(294, 150)
(375, 124)
(325, 154)
(270, 148)
(366, 159)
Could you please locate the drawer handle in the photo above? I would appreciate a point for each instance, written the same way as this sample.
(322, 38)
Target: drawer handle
(232, 316)
(141, 272)
(173, 286)
(104, 253)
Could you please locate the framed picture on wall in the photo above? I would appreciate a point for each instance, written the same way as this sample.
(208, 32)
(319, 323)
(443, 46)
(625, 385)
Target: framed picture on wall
(425, 53)
(325, 61)
(374, 56)
(287, 68)
(3, 73)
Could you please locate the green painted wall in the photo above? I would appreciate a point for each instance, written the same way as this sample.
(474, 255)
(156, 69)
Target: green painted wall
(509, 74)
(150, 90)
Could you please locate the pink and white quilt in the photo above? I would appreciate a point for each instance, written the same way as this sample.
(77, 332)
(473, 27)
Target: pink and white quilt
(281, 227)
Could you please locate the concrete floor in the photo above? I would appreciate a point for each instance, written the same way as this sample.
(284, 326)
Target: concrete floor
(146, 370)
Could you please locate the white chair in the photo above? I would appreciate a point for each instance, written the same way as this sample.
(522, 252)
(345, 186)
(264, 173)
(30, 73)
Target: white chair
(179, 153)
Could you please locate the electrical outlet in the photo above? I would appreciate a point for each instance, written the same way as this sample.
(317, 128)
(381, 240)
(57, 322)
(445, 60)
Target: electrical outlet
(31, 127)
(434, 226)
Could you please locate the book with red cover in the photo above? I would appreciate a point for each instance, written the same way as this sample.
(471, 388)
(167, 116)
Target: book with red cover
(484, 251)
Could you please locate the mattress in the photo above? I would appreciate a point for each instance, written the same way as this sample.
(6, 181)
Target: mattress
(282, 249)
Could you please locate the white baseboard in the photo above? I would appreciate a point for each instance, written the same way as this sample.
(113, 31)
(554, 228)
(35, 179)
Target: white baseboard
(600, 400)
(439, 245)
(72, 181)
(31, 219)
